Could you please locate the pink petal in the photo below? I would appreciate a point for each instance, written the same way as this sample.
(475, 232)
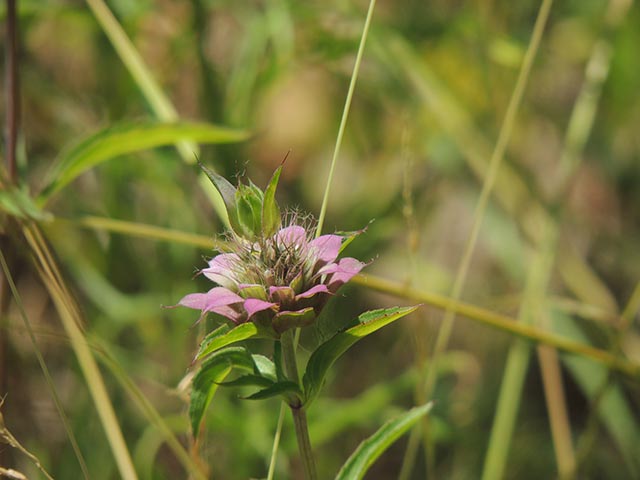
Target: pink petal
(255, 305)
(326, 247)
(221, 269)
(293, 235)
(341, 272)
(194, 300)
(230, 313)
(313, 291)
(207, 302)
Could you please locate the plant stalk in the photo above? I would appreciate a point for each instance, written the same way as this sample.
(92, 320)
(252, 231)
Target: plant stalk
(297, 409)
(12, 93)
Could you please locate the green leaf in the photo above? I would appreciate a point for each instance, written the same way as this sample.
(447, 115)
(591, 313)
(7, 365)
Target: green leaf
(327, 353)
(270, 210)
(248, 211)
(264, 367)
(374, 446)
(286, 388)
(213, 371)
(218, 338)
(17, 202)
(250, 380)
(128, 138)
(226, 190)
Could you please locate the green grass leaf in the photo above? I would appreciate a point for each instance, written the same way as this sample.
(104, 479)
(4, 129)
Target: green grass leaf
(327, 353)
(128, 138)
(220, 338)
(374, 446)
(17, 202)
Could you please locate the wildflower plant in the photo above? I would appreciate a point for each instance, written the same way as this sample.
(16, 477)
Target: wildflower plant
(273, 278)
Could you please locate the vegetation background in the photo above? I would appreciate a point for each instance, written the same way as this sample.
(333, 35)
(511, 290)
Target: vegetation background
(557, 247)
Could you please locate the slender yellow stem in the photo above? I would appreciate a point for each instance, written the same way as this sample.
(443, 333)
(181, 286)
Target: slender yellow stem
(71, 322)
(501, 322)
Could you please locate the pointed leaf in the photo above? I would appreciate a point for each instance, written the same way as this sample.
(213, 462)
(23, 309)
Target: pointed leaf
(327, 353)
(250, 380)
(286, 388)
(264, 367)
(211, 336)
(371, 448)
(227, 191)
(270, 210)
(239, 333)
(277, 360)
(128, 138)
(205, 383)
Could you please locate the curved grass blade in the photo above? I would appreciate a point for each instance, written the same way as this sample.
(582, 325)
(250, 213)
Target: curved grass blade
(374, 446)
(127, 138)
(327, 353)
(17, 202)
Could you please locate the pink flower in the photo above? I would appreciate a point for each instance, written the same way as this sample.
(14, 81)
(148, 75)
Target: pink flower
(281, 281)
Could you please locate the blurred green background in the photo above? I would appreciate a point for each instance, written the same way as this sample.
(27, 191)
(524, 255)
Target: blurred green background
(430, 100)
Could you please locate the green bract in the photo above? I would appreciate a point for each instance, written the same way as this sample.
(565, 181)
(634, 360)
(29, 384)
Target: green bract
(252, 213)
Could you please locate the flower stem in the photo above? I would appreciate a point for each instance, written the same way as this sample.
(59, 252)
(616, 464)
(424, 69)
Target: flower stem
(297, 409)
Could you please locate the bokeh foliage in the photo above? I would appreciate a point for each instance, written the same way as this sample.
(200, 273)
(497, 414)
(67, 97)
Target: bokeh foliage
(431, 97)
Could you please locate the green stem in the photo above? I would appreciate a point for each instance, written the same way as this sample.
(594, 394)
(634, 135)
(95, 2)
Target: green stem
(345, 115)
(297, 410)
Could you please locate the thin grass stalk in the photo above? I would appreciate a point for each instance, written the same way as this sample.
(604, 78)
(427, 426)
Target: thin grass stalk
(494, 165)
(501, 322)
(152, 232)
(299, 417)
(140, 230)
(71, 321)
(45, 370)
(495, 162)
(558, 414)
(276, 442)
(510, 190)
(587, 439)
(345, 116)
(12, 91)
(154, 417)
(551, 374)
(518, 361)
(481, 315)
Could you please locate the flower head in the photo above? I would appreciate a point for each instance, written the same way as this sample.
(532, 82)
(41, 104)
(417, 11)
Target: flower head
(279, 277)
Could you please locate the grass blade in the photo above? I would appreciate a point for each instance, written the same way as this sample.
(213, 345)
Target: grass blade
(71, 320)
(345, 116)
(44, 368)
(374, 446)
(128, 138)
